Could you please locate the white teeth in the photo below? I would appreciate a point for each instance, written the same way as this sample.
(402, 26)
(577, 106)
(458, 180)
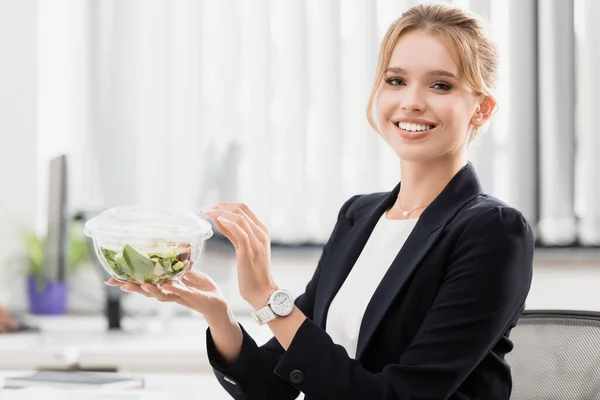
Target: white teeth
(414, 127)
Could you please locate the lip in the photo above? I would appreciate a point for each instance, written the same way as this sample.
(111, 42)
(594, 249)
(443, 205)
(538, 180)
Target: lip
(413, 135)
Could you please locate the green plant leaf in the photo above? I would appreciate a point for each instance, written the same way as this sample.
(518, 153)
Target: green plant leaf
(78, 250)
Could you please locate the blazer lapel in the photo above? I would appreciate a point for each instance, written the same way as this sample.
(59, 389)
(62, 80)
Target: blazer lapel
(361, 224)
(461, 189)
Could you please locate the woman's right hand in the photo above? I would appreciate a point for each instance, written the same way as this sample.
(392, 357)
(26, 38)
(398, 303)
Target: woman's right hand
(196, 291)
(200, 293)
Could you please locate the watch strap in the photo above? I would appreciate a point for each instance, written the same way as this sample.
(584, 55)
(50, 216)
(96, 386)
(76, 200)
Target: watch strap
(264, 315)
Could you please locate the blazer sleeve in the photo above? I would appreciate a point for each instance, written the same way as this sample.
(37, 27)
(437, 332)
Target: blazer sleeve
(252, 375)
(486, 284)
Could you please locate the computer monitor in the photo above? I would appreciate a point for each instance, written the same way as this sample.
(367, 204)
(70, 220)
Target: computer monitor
(57, 221)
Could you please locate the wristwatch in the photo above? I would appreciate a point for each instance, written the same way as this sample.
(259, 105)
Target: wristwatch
(280, 304)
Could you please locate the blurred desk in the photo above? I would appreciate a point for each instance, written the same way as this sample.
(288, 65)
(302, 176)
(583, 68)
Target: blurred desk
(146, 345)
(158, 387)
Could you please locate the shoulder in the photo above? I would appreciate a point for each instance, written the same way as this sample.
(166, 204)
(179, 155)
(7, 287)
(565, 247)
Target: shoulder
(488, 211)
(488, 225)
(492, 243)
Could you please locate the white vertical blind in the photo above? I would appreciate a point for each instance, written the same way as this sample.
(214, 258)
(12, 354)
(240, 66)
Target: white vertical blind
(80, 113)
(289, 115)
(360, 145)
(20, 40)
(186, 110)
(588, 108)
(557, 224)
(54, 85)
(155, 151)
(172, 85)
(324, 121)
(112, 152)
(220, 88)
(518, 114)
(256, 183)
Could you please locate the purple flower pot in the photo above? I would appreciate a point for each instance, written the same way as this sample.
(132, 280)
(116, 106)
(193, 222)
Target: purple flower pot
(46, 298)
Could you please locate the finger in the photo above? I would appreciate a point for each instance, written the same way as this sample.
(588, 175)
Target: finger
(240, 235)
(222, 215)
(188, 294)
(158, 293)
(198, 279)
(226, 232)
(250, 239)
(213, 214)
(134, 288)
(242, 210)
(236, 212)
(253, 217)
(261, 235)
(238, 217)
(113, 282)
(179, 289)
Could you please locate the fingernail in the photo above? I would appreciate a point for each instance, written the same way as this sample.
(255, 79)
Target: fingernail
(145, 288)
(223, 220)
(208, 210)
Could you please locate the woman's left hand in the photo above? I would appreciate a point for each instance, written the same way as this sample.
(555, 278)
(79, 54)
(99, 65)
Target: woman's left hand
(252, 243)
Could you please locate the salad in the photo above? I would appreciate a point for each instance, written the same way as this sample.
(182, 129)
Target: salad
(154, 267)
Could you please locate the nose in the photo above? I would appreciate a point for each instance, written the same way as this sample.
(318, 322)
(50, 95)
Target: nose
(412, 99)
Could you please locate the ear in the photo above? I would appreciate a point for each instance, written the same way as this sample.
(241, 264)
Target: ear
(484, 111)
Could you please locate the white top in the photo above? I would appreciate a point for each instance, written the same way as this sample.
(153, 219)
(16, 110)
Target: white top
(348, 306)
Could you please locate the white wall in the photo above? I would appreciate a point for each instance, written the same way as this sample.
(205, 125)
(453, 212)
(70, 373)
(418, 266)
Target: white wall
(18, 120)
(565, 280)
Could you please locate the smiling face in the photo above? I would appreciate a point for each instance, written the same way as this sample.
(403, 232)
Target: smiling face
(425, 110)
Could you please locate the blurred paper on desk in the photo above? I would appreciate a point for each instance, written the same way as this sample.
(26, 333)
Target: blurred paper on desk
(74, 380)
(51, 393)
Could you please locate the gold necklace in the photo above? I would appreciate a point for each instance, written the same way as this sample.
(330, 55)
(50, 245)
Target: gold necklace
(406, 213)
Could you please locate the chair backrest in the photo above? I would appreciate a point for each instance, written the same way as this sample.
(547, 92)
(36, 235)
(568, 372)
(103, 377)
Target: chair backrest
(556, 356)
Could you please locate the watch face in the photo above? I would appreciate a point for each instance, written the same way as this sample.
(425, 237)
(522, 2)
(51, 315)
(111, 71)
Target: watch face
(282, 303)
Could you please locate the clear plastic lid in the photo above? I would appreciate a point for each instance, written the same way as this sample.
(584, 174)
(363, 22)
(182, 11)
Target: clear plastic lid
(144, 223)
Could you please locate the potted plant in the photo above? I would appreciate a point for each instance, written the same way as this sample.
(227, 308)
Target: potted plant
(49, 296)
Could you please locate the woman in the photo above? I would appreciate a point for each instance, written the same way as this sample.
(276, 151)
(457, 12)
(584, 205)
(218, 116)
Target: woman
(417, 290)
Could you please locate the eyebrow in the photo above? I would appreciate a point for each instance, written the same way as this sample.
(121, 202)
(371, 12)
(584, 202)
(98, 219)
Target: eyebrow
(434, 72)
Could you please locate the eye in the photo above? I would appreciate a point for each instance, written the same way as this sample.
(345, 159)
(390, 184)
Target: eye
(443, 86)
(395, 82)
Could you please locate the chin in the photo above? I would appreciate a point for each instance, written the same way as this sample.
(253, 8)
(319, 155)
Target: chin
(414, 153)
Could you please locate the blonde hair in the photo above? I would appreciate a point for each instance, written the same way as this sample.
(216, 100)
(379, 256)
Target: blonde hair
(472, 50)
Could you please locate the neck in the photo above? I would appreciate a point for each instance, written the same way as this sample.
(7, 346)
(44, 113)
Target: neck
(421, 183)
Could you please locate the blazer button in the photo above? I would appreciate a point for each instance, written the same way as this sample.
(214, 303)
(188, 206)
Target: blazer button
(296, 377)
(229, 380)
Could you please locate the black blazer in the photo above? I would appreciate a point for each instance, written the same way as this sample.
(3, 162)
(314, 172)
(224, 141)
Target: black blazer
(438, 325)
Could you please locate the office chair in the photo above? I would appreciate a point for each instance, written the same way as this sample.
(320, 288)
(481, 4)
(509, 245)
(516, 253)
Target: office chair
(556, 356)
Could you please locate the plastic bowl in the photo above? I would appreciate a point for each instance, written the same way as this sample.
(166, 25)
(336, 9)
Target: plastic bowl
(142, 245)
